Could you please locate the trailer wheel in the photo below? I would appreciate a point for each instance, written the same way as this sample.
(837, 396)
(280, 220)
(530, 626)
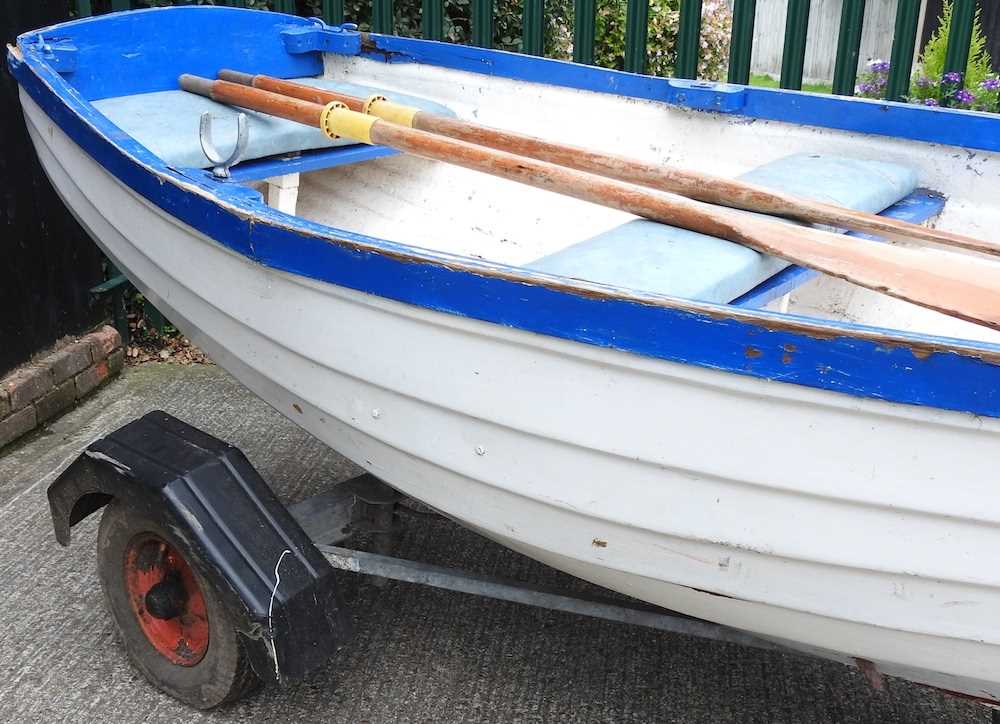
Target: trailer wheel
(172, 622)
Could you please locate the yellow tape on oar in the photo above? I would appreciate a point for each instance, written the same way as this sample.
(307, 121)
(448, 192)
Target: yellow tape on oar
(385, 109)
(337, 120)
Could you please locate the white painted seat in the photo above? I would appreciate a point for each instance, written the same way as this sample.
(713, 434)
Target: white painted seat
(647, 256)
(167, 123)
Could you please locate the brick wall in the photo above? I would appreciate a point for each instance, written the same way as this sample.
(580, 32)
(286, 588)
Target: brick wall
(37, 392)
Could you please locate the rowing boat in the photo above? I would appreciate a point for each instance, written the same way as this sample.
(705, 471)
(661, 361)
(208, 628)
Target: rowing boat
(669, 414)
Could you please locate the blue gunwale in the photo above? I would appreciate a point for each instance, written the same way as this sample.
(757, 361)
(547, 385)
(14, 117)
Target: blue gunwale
(861, 361)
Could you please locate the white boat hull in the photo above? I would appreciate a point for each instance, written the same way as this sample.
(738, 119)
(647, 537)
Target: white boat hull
(838, 523)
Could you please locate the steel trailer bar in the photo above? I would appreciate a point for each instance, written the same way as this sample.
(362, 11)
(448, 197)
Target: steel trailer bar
(399, 569)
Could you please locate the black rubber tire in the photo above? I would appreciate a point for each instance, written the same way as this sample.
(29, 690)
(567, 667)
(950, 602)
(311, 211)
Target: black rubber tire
(224, 674)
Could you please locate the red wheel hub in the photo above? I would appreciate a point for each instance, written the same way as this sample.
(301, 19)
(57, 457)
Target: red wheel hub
(166, 599)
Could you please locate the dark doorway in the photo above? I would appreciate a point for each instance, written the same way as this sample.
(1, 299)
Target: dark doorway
(48, 261)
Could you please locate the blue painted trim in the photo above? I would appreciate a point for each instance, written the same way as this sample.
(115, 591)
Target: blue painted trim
(308, 161)
(865, 362)
(61, 55)
(322, 39)
(918, 123)
(787, 280)
(142, 51)
(706, 96)
(916, 208)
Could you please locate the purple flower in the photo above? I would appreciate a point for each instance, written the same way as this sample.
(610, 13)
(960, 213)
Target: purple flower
(991, 84)
(953, 77)
(924, 82)
(931, 102)
(964, 96)
(865, 88)
(878, 66)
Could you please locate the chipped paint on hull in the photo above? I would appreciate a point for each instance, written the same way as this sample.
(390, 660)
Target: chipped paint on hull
(585, 312)
(571, 385)
(552, 450)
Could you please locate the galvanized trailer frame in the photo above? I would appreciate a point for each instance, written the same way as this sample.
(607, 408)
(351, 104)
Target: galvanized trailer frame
(274, 564)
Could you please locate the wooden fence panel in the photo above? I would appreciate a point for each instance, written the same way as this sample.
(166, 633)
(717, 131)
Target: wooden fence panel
(821, 40)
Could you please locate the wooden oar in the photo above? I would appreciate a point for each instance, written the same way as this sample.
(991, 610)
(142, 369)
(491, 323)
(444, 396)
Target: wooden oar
(959, 285)
(693, 184)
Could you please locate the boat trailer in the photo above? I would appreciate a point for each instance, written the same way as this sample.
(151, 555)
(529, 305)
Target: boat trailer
(194, 546)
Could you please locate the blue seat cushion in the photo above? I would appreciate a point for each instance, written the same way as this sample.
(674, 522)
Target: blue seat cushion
(647, 256)
(167, 123)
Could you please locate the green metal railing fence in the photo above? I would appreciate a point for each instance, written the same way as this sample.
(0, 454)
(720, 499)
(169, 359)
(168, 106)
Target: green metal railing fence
(793, 59)
(904, 42)
(963, 16)
(688, 38)
(845, 68)
(584, 30)
(741, 42)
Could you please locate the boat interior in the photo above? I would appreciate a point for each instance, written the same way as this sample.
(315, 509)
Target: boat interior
(377, 192)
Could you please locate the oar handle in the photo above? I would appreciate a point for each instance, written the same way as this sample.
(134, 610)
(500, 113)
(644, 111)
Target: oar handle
(235, 94)
(235, 76)
(295, 90)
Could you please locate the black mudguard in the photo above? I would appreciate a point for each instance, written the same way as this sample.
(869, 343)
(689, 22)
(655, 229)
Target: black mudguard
(238, 533)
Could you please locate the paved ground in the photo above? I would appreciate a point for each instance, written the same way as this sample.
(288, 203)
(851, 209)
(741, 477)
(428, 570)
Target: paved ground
(418, 655)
